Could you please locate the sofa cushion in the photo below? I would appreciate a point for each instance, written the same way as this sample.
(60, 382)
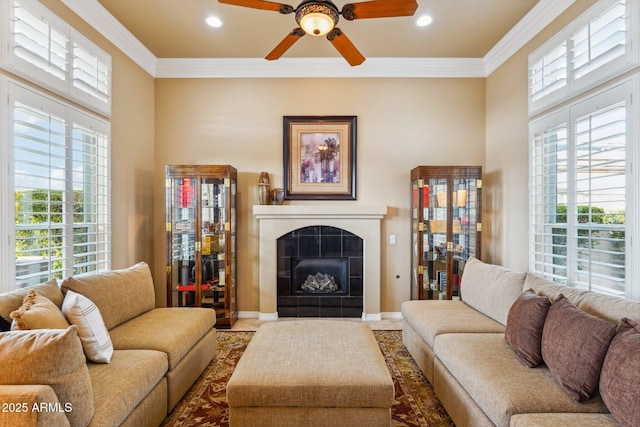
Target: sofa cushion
(49, 357)
(120, 386)
(430, 318)
(574, 345)
(11, 301)
(563, 420)
(499, 383)
(524, 327)
(490, 289)
(545, 287)
(38, 312)
(83, 313)
(608, 307)
(155, 330)
(120, 295)
(620, 377)
(603, 306)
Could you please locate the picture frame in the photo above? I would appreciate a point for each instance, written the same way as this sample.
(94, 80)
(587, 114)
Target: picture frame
(319, 157)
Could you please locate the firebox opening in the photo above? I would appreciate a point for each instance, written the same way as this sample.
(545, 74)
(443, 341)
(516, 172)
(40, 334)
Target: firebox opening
(315, 253)
(320, 276)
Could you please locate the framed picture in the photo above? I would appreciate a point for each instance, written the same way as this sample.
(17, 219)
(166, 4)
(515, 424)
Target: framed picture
(319, 155)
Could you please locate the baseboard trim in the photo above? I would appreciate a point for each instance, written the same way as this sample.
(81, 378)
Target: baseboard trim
(365, 317)
(393, 315)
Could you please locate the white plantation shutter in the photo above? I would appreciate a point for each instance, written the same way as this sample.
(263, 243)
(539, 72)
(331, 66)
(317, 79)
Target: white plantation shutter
(39, 161)
(46, 50)
(91, 73)
(599, 45)
(39, 42)
(548, 197)
(600, 42)
(90, 154)
(578, 191)
(549, 74)
(600, 193)
(61, 181)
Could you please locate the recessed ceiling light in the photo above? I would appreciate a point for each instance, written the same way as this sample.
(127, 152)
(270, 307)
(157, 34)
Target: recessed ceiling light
(214, 22)
(424, 21)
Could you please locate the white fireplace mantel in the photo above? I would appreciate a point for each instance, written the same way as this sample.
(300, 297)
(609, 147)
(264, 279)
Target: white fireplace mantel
(277, 220)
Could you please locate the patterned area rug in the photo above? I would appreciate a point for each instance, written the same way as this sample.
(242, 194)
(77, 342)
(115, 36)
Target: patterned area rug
(206, 403)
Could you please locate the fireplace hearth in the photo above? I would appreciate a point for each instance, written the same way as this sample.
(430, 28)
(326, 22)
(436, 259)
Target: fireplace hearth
(320, 273)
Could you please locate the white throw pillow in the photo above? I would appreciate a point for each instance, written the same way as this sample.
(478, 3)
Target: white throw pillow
(82, 312)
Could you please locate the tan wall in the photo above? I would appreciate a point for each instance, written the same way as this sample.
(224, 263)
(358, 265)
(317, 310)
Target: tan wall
(402, 123)
(132, 149)
(505, 203)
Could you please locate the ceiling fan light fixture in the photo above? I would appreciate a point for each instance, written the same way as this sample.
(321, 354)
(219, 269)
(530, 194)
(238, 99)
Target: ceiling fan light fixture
(317, 18)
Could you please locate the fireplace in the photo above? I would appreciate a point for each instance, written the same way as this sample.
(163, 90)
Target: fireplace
(364, 222)
(319, 276)
(320, 273)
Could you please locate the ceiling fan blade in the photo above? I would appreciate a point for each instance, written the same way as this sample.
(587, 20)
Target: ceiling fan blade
(379, 9)
(260, 4)
(285, 44)
(347, 49)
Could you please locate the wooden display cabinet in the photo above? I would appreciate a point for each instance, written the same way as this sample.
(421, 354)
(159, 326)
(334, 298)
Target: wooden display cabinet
(446, 228)
(201, 239)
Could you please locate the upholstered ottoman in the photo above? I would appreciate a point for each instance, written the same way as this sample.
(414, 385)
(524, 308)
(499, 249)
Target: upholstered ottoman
(311, 373)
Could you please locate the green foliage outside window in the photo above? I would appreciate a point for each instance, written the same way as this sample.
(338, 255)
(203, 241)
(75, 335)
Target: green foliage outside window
(46, 208)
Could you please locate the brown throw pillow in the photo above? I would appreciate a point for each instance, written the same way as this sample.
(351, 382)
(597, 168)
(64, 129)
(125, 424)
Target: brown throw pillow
(524, 327)
(574, 344)
(620, 377)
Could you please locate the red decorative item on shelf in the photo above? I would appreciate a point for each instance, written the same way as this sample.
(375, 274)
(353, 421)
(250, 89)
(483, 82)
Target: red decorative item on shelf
(186, 193)
(425, 195)
(192, 287)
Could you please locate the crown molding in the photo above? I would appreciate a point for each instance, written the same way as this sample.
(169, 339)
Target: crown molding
(318, 68)
(541, 15)
(99, 18)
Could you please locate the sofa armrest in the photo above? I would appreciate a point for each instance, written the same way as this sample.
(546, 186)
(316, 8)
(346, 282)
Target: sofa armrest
(31, 405)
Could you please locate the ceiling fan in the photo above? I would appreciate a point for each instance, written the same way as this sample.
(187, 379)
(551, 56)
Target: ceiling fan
(319, 18)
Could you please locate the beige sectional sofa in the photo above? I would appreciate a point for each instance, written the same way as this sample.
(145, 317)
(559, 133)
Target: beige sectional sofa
(157, 355)
(461, 348)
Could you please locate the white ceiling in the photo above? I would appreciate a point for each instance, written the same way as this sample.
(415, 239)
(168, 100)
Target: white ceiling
(169, 38)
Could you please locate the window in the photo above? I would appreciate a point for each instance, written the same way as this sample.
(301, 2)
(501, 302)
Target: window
(56, 173)
(46, 50)
(580, 175)
(60, 178)
(596, 47)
